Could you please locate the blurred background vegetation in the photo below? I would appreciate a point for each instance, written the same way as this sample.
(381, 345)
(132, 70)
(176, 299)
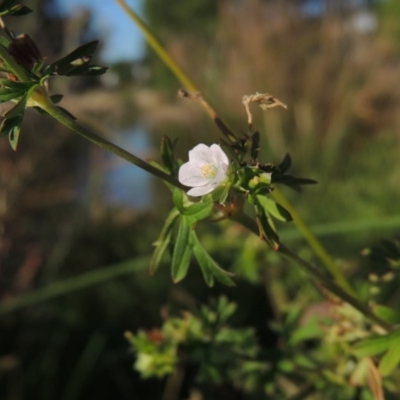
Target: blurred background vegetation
(77, 224)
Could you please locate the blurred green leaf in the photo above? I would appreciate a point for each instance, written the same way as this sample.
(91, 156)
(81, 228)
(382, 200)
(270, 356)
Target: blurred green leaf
(391, 358)
(310, 330)
(387, 313)
(375, 345)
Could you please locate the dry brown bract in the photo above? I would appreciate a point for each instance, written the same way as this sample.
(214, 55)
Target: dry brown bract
(264, 100)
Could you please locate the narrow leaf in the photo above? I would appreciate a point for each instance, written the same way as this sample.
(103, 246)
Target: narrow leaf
(182, 251)
(12, 128)
(273, 208)
(391, 359)
(388, 314)
(177, 198)
(7, 94)
(198, 211)
(375, 345)
(164, 240)
(81, 55)
(208, 264)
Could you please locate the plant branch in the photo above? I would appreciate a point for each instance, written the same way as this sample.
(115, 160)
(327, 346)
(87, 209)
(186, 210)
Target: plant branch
(67, 121)
(314, 243)
(323, 279)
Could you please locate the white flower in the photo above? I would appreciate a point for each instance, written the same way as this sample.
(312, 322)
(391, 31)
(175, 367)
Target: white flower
(206, 169)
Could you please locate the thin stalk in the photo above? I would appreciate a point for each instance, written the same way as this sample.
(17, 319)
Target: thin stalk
(70, 285)
(314, 243)
(158, 48)
(70, 123)
(322, 278)
(312, 240)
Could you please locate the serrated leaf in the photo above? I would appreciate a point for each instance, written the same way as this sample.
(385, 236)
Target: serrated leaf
(391, 359)
(182, 251)
(208, 264)
(387, 314)
(275, 209)
(163, 241)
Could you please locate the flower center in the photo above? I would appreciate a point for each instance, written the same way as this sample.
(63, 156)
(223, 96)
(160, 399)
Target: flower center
(209, 171)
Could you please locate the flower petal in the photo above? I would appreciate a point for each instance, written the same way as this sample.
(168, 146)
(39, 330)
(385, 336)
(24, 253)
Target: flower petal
(201, 191)
(218, 155)
(190, 175)
(201, 153)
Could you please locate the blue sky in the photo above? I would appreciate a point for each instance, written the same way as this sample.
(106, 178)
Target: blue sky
(121, 39)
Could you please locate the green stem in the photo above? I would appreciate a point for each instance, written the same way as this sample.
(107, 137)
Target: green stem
(159, 49)
(71, 285)
(312, 240)
(67, 121)
(323, 279)
(314, 243)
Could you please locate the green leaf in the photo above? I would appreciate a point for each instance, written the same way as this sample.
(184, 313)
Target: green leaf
(388, 314)
(7, 94)
(11, 125)
(273, 208)
(182, 251)
(18, 109)
(164, 240)
(11, 90)
(177, 198)
(391, 359)
(265, 224)
(208, 265)
(73, 61)
(198, 211)
(375, 345)
(311, 330)
(12, 128)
